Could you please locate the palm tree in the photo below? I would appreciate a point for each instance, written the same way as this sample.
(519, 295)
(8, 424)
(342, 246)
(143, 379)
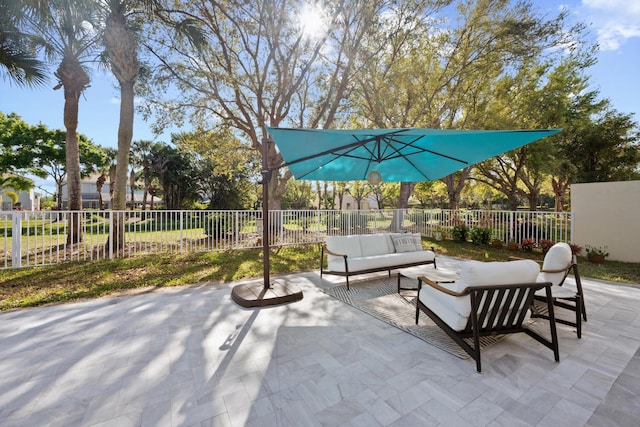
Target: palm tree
(132, 187)
(18, 47)
(122, 55)
(104, 171)
(67, 27)
(141, 152)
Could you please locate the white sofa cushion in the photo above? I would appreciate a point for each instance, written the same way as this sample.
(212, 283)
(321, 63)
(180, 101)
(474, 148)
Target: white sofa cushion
(346, 245)
(373, 244)
(371, 251)
(380, 261)
(454, 311)
(390, 248)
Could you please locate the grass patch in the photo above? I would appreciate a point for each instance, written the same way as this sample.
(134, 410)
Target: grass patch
(74, 281)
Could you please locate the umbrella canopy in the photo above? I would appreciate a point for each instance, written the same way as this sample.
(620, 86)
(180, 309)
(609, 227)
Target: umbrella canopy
(399, 155)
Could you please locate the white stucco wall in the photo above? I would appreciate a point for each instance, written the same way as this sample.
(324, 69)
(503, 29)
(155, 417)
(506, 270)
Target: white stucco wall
(608, 214)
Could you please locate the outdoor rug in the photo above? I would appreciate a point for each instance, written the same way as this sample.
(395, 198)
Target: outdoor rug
(380, 299)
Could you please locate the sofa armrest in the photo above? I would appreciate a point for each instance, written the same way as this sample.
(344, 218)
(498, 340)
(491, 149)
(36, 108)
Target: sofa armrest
(327, 251)
(423, 279)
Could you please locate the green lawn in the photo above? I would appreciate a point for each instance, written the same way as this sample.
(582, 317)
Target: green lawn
(74, 281)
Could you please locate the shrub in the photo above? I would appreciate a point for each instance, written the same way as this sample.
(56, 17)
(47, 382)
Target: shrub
(527, 245)
(459, 233)
(597, 250)
(480, 236)
(497, 243)
(512, 245)
(545, 245)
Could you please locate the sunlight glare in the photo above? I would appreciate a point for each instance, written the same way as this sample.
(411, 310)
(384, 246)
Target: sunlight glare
(312, 21)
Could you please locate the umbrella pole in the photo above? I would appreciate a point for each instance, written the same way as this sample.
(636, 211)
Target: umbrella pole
(268, 292)
(266, 178)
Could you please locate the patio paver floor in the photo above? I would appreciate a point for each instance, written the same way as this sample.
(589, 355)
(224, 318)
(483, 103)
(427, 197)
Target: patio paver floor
(191, 357)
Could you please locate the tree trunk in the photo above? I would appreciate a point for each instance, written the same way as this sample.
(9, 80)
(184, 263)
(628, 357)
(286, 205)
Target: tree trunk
(132, 185)
(99, 184)
(125, 133)
(59, 198)
(532, 197)
(512, 200)
(147, 184)
(559, 191)
(455, 184)
(122, 49)
(74, 79)
(406, 188)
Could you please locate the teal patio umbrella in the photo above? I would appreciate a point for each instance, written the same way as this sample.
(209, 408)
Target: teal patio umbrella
(393, 155)
(397, 155)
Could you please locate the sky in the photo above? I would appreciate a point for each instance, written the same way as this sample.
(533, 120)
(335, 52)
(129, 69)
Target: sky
(615, 24)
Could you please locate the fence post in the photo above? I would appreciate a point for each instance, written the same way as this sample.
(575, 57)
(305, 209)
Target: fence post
(16, 239)
(511, 224)
(567, 216)
(181, 231)
(237, 229)
(111, 234)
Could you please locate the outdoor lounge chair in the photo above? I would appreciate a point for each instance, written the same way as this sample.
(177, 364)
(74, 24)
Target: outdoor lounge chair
(558, 262)
(491, 298)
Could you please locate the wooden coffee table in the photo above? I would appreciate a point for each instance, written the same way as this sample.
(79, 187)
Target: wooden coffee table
(438, 275)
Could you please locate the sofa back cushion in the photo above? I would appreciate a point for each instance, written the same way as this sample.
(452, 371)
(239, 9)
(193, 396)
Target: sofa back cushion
(558, 257)
(374, 244)
(405, 242)
(347, 245)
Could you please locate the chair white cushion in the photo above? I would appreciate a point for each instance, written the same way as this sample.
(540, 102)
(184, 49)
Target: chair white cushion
(557, 292)
(455, 311)
(559, 256)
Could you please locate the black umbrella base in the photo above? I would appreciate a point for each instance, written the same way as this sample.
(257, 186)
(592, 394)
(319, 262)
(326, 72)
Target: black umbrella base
(257, 295)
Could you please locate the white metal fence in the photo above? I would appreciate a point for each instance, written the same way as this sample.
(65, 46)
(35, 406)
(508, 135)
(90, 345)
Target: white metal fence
(40, 238)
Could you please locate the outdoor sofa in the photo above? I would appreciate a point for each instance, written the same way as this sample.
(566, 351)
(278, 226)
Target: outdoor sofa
(368, 253)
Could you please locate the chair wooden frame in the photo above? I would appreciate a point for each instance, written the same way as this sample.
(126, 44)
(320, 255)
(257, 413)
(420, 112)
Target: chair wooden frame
(578, 299)
(491, 314)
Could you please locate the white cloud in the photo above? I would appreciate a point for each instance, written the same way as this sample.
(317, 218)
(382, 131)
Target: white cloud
(614, 20)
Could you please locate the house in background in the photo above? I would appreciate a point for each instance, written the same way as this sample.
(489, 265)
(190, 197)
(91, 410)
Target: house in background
(27, 200)
(91, 197)
(350, 204)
